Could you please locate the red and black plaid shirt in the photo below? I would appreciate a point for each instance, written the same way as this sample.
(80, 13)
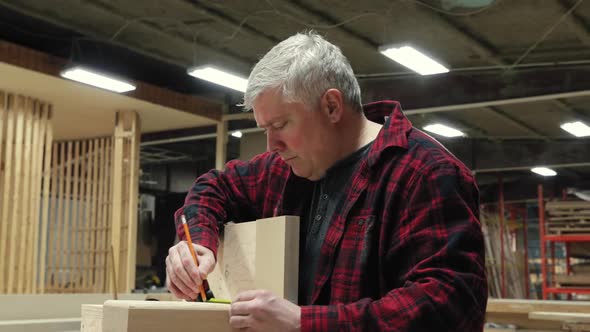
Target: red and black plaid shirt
(404, 253)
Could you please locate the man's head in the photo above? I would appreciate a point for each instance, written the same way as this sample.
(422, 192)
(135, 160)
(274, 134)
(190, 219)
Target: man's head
(301, 91)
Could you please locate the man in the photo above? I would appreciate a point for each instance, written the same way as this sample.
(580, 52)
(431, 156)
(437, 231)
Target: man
(390, 237)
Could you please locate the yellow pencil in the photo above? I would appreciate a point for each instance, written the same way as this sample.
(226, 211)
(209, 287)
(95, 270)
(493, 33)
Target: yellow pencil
(189, 241)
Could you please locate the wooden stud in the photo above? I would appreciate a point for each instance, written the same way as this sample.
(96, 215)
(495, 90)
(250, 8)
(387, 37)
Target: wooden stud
(75, 224)
(48, 139)
(52, 227)
(23, 222)
(117, 169)
(60, 218)
(67, 201)
(133, 192)
(94, 213)
(88, 218)
(16, 197)
(101, 239)
(7, 181)
(29, 187)
(37, 166)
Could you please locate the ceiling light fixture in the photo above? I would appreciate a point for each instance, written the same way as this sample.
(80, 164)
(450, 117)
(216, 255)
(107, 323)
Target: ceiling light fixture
(413, 59)
(218, 76)
(544, 171)
(237, 134)
(443, 130)
(578, 128)
(94, 78)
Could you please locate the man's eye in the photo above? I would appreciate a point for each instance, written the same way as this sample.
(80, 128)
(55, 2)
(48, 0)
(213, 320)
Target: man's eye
(280, 125)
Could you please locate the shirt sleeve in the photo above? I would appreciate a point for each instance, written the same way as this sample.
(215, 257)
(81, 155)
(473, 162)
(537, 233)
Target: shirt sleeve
(215, 197)
(437, 252)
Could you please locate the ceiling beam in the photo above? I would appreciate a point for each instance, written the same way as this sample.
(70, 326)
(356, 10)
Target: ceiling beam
(469, 127)
(568, 109)
(203, 9)
(517, 122)
(575, 22)
(485, 156)
(310, 13)
(20, 56)
(479, 46)
(108, 9)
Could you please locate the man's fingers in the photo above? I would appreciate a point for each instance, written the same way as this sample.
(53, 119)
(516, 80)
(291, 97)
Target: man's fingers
(186, 291)
(180, 263)
(247, 295)
(240, 322)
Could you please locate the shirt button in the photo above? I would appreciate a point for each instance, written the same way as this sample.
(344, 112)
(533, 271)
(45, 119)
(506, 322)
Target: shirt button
(318, 217)
(325, 196)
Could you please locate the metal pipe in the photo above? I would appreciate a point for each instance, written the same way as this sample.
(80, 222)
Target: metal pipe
(542, 240)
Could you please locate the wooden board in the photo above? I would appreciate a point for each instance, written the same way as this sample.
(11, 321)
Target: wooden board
(258, 255)
(516, 312)
(572, 317)
(91, 318)
(150, 316)
(580, 279)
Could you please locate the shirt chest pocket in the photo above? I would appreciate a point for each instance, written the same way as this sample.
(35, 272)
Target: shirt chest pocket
(356, 261)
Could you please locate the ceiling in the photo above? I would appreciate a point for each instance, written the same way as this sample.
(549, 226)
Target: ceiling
(92, 110)
(518, 68)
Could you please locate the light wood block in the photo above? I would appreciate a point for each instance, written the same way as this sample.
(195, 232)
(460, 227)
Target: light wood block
(258, 255)
(150, 316)
(560, 316)
(91, 318)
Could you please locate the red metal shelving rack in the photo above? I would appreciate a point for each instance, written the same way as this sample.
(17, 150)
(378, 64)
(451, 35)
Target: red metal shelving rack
(552, 239)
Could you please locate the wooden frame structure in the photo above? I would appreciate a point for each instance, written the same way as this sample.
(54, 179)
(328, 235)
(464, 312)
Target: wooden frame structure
(68, 213)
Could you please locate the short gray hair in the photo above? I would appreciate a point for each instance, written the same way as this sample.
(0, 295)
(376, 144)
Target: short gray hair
(303, 67)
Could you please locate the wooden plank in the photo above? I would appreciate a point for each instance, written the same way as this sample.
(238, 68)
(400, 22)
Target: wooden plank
(60, 222)
(16, 195)
(107, 255)
(40, 325)
(100, 241)
(48, 139)
(3, 115)
(133, 190)
(52, 218)
(117, 188)
(91, 318)
(88, 217)
(526, 306)
(81, 215)
(575, 279)
(85, 220)
(277, 256)
(561, 316)
(150, 316)
(94, 214)
(7, 189)
(36, 187)
(44, 306)
(67, 204)
(568, 205)
(26, 244)
(75, 224)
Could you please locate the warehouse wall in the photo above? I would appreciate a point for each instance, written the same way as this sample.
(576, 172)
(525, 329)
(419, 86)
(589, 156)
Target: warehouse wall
(251, 145)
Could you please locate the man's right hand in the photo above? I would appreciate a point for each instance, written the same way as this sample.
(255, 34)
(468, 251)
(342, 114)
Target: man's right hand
(182, 275)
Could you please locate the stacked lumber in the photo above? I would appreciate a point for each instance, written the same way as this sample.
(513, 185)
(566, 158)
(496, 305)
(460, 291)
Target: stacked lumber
(568, 218)
(513, 260)
(537, 315)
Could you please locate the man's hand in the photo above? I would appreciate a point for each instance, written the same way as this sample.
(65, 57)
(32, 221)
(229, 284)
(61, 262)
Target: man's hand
(261, 310)
(183, 277)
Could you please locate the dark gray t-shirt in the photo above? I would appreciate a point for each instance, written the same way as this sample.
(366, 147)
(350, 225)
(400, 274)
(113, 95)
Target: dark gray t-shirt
(327, 195)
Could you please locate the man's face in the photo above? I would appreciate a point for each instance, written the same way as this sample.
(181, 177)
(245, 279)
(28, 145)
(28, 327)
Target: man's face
(299, 135)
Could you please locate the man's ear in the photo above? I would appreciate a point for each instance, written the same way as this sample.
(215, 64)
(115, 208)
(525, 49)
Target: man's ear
(332, 104)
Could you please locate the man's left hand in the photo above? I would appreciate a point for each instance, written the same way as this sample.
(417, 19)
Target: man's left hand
(261, 310)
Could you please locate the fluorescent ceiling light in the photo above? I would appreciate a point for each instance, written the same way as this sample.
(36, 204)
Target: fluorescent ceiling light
(443, 130)
(544, 171)
(578, 128)
(413, 59)
(237, 134)
(220, 77)
(90, 77)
